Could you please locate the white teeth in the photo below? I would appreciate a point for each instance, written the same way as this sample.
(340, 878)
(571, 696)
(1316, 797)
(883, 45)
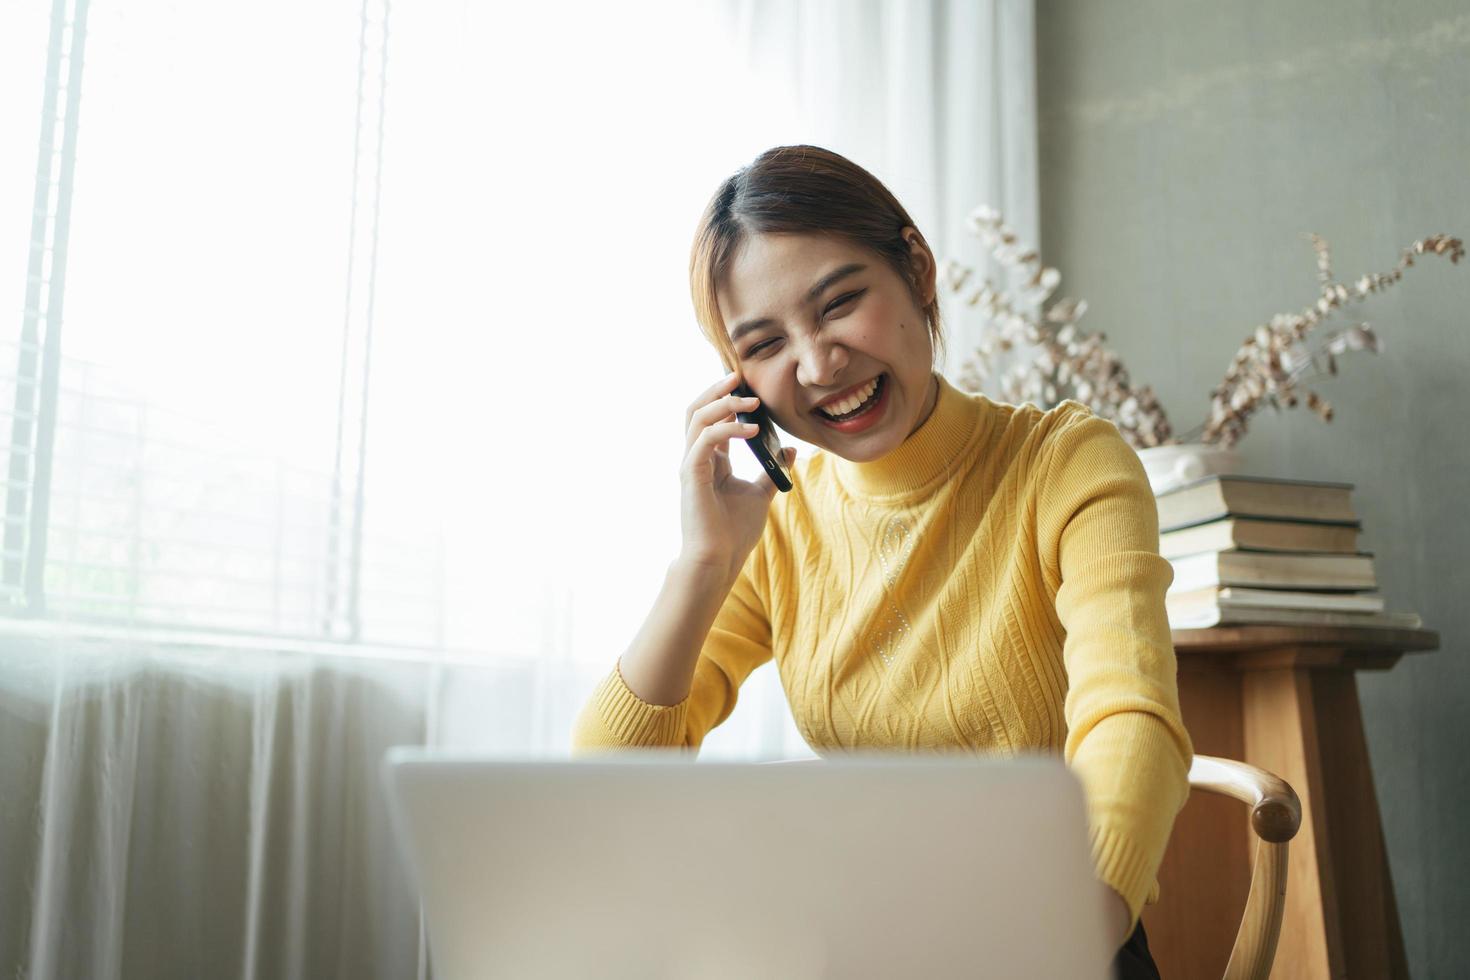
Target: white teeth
(852, 401)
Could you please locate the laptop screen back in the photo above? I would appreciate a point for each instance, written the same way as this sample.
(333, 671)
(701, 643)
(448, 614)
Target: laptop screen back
(649, 864)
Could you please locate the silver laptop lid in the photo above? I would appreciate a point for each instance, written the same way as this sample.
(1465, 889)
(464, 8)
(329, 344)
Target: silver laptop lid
(650, 865)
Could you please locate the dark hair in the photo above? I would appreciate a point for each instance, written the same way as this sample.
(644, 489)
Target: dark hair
(803, 189)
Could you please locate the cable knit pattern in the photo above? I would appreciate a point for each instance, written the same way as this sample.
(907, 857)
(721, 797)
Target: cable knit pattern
(991, 586)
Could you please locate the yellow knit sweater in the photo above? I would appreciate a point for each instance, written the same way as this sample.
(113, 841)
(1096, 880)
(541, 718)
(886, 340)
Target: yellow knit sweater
(992, 585)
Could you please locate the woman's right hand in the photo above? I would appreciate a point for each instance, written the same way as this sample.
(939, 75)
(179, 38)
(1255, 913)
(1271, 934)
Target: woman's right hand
(722, 515)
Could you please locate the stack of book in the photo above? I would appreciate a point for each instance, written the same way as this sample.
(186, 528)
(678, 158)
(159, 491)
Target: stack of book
(1257, 550)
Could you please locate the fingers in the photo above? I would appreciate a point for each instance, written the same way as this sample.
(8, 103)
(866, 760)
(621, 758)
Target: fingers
(719, 410)
(718, 434)
(712, 439)
(722, 387)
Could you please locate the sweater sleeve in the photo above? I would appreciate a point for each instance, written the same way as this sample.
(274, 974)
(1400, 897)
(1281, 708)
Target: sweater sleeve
(738, 642)
(1099, 534)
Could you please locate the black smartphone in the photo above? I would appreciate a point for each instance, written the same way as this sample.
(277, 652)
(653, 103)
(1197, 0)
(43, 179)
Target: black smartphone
(764, 444)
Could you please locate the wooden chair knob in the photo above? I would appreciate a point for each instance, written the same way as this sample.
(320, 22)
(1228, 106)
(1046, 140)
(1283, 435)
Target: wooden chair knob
(1276, 813)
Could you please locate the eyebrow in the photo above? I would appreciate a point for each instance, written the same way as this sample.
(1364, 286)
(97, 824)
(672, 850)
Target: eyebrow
(822, 284)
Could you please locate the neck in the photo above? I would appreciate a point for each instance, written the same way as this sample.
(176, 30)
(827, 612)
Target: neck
(930, 400)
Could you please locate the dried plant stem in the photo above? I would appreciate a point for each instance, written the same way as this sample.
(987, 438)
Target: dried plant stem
(1270, 363)
(1068, 363)
(1065, 362)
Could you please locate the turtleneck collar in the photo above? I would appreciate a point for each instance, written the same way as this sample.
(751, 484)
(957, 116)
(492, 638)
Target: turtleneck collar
(923, 457)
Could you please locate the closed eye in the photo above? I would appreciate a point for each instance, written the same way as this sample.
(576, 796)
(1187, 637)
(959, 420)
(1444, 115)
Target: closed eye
(755, 349)
(844, 300)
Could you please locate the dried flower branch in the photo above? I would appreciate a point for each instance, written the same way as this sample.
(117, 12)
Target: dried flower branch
(1069, 362)
(1275, 358)
(1066, 362)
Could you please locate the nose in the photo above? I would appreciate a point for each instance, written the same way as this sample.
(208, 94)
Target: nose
(820, 363)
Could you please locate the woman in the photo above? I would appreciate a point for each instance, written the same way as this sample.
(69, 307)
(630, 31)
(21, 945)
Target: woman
(948, 573)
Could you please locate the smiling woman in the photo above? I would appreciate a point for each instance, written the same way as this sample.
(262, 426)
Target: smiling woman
(803, 264)
(845, 364)
(805, 190)
(948, 573)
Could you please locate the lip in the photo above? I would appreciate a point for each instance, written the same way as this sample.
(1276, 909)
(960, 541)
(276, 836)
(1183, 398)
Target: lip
(831, 399)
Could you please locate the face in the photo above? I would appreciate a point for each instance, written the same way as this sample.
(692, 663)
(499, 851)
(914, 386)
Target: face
(832, 339)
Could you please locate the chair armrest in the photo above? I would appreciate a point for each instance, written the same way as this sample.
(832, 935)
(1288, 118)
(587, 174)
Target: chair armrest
(1276, 813)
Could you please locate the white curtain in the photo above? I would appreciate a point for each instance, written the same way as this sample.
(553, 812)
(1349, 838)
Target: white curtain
(207, 804)
(181, 807)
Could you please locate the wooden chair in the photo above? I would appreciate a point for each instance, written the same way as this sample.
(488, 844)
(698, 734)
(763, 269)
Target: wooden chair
(1276, 814)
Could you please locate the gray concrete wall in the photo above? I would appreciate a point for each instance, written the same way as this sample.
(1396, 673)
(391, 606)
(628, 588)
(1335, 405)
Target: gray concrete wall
(1186, 148)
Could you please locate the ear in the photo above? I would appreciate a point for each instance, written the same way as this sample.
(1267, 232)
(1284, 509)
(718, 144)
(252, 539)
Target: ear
(925, 269)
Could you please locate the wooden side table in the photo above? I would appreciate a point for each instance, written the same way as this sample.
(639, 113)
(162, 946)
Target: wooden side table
(1283, 698)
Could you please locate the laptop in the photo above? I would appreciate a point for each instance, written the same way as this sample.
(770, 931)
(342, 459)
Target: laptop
(647, 864)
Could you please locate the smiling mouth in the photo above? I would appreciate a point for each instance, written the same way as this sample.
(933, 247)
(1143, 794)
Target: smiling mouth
(859, 402)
